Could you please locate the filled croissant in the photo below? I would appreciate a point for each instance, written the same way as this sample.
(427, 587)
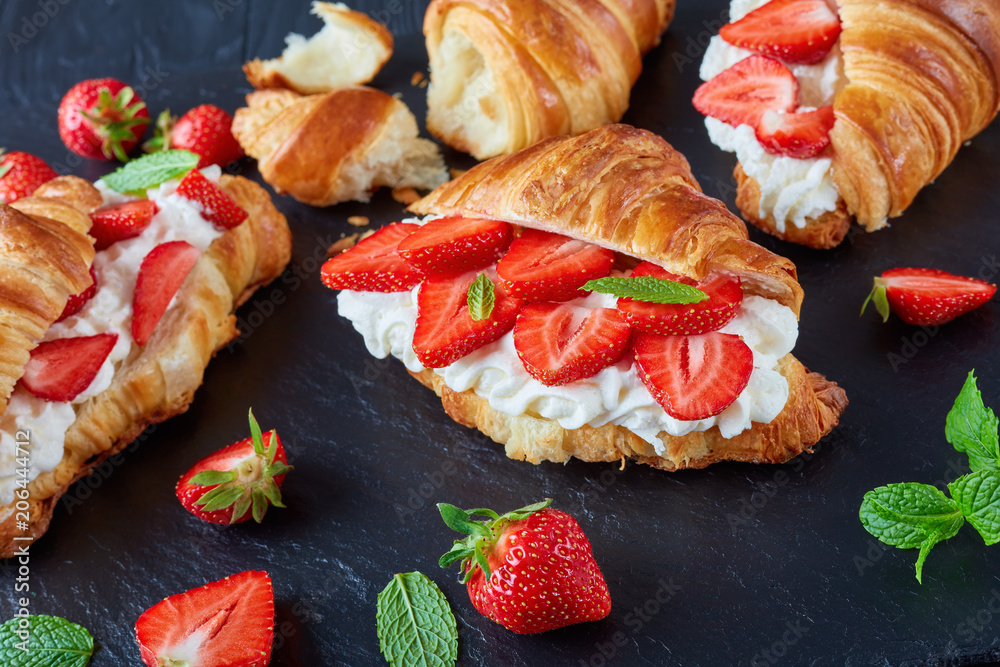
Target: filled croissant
(900, 86)
(508, 73)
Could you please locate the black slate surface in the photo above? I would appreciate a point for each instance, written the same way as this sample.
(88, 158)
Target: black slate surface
(736, 564)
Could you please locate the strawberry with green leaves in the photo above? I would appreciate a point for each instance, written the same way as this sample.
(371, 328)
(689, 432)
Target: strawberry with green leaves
(205, 130)
(102, 119)
(927, 297)
(20, 174)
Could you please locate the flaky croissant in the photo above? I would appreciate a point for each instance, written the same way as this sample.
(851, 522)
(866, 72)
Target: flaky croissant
(508, 73)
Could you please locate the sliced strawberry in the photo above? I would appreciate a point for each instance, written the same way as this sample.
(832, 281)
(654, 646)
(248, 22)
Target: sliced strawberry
(693, 377)
(725, 295)
(803, 134)
(161, 274)
(456, 245)
(374, 265)
(541, 266)
(445, 331)
(59, 370)
(217, 206)
(226, 623)
(742, 93)
(927, 297)
(559, 343)
(77, 301)
(117, 222)
(797, 31)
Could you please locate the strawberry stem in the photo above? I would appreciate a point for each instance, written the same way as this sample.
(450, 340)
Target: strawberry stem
(878, 295)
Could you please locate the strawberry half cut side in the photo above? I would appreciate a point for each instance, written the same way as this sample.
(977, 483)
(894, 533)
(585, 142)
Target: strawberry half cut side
(796, 31)
(725, 295)
(693, 377)
(228, 622)
(541, 266)
(124, 220)
(559, 343)
(217, 206)
(456, 244)
(741, 94)
(802, 135)
(927, 297)
(161, 274)
(374, 264)
(59, 370)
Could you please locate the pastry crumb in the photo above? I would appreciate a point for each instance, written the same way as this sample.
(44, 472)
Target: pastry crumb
(416, 78)
(405, 195)
(366, 234)
(358, 221)
(345, 243)
(455, 173)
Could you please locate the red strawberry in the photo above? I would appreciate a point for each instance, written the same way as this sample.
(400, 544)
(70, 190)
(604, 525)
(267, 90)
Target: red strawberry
(741, 94)
(161, 274)
(803, 134)
(217, 206)
(373, 265)
(205, 130)
(693, 377)
(445, 330)
(117, 222)
(227, 623)
(76, 302)
(541, 266)
(927, 297)
(59, 370)
(797, 31)
(559, 343)
(237, 482)
(456, 245)
(725, 295)
(102, 119)
(20, 174)
(530, 570)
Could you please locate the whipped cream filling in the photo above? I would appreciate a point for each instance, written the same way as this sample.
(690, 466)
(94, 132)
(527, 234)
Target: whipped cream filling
(109, 311)
(793, 190)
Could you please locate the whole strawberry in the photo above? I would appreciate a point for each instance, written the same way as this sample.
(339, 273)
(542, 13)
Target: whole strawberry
(102, 119)
(927, 297)
(20, 174)
(237, 482)
(530, 570)
(205, 130)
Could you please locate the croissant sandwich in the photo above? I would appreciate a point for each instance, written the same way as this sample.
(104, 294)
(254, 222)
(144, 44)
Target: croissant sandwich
(482, 301)
(97, 345)
(508, 73)
(850, 114)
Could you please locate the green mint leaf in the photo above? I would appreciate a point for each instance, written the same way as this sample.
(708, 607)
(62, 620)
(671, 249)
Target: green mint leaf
(416, 627)
(881, 300)
(150, 170)
(911, 515)
(972, 428)
(50, 642)
(978, 496)
(481, 298)
(647, 288)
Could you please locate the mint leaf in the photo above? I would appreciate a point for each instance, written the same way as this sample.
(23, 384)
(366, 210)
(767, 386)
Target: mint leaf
(911, 515)
(647, 288)
(481, 298)
(51, 642)
(978, 496)
(415, 624)
(150, 170)
(972, 428)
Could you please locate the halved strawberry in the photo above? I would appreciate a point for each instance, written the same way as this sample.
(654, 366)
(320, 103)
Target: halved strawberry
(59, 370)
(693, 377)
(725, 295)
(741, 94)
(797, 31)
(223, 623)
(559, 343)
(803, 134)
(456, 244)
(927, 297)
(77, 301)
(445, 330)
(217, 206)
(161, 274)
(374, 265)
(541, 266)
(117, 222)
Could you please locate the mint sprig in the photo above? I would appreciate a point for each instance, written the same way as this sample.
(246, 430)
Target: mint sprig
(481, 298)
(151, 170)
(415, 624)
(50, 642)
(978, 496)
(971, 427)
(647, 288)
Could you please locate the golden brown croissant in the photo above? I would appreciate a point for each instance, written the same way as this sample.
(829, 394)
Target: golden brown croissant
(508, 73)
(338, 146)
